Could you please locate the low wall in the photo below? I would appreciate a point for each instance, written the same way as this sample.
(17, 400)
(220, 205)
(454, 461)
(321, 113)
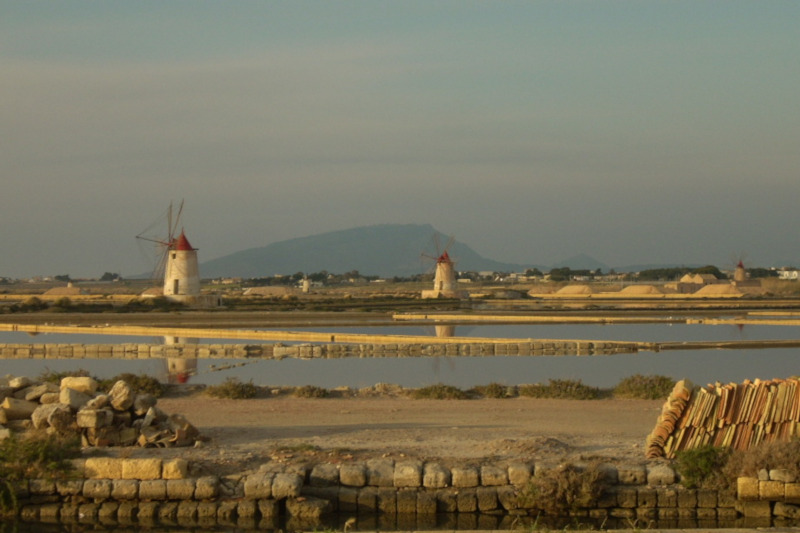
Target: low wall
(384, 493)
(308, 351)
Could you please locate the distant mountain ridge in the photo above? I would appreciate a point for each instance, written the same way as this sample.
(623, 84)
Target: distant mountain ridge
(385, 250)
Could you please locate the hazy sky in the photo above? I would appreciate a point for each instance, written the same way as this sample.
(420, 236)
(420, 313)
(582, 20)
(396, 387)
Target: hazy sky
(632, 131)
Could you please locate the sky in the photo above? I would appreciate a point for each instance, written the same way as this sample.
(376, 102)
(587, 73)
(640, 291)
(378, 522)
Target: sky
(636, 132)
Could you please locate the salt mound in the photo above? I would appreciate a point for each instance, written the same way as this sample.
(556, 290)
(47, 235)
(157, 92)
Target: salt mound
(575, 289)
(721, 289)
(640, 289)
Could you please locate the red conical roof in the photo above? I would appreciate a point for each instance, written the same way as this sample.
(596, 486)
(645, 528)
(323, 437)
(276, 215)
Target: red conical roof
(182, 243)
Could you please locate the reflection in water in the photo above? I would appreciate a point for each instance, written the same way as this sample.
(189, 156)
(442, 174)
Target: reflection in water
(179, 369)
(445, 331)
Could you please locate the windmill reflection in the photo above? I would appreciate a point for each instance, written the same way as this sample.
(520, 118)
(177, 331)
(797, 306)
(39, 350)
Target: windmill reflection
(179, 369)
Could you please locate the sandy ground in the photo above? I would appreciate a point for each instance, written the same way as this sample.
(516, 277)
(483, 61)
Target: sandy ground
(243, 434)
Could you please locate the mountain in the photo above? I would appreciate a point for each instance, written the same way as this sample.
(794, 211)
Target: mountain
(384, 250)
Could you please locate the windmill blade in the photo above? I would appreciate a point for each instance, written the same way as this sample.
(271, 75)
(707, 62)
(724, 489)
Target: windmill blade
(176, 223)
(450, 242)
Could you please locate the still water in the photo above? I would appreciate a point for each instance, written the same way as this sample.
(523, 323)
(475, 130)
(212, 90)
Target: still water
(701, 366)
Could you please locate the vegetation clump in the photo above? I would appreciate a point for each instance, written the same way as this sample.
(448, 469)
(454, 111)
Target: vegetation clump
(702, 467)
(233, 389)
(439, 391)
(311, 391)
(561, 389)
(564, 489)
(141, 383)
(644, 387)
(36, 455)
(495, 390)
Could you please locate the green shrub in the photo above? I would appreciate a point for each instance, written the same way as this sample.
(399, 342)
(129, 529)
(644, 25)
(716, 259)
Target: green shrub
(561, 389)
(311, 391)
(439, 391)
(56, 377)
(701, 467)
(233, 389)
(644, 387)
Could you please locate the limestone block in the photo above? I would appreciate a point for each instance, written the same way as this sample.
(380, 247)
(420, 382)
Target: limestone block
(82, 384)
(35, 392)
(207, 511)
(94, 418)
(707, 499)
(771, 490)
(353, 475)
(142, 403)
(142, 469)
(492, 476)
(781, 474)
(747, 488)
(487, 498)
(324, 475)
(258, 486)
(465, 477)
(153, 489)
(347, 499)
(147, 510)
(167, 512)
(426, 503)
(407, 501)
(408, 474)
(268, 508)
(103, 468)
(40, 414)
(307, 508)
(98, 402)
(447, 501)
(50, 397)
(41, 486)
(177, 468)
(435, 476)
(627, 497)
(121, 395)
(73, 398)
(387, 500)
(187, 511)
(508, 498)
(69, 487)
(647, 497)
(97, 489)
(660, 475)
(246, 509)
(18, 409)
(706, 513)
(286, 485)
(467, 501)
(206, 488)
(380, 472)
(786, 510)
(19, 382)
(687, 499)
(124, 489)
(60, 418)
(755, 509)
(4, 432)
(180, 489)
(87, 513)
(519, 474)
(367, 500)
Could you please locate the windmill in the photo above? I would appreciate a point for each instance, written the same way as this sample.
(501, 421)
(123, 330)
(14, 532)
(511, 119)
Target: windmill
(444, 278)
(177, 264)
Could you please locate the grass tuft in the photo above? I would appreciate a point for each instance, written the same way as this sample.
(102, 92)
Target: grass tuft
(233, 389)
(561, 389)
(644, 387)
(439, 391)
(311, 391)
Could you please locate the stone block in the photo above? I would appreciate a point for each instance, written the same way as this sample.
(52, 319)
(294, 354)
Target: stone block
(627, 497)
(167, 512)
(435, 476)
(246, 509)
(174, 468)
(103, 467)
(706, 513)
(408, 474)
(187, 511)
(94, 418)
(206, 488)
(324, 475)
(307, 508)
(180, 489)
(121, 395)
(97, 489)
(465, 477)
(706, 499)
(73, 398)
(786, 510)
(380, 472)
(519, 474)
(493, 476)
(207, 510)
(18, 409)
(487, 498)
(258, 486)
(124, 489)
(771, 490)
(69, 487)
(660, 475)
(368, 500)
(647, 497)
(447, 501)
(153, 489)
(747, 488)
(353, 475)
(142, 469)
(82, 384)
(783, 475)
(387, 500)
(286, 485)
(41, 486)
(426, 503)
(754, 509)
(687, 499)
(348, 499)
(792, 492)
(268, 508)
(467, 501)
(407, 501)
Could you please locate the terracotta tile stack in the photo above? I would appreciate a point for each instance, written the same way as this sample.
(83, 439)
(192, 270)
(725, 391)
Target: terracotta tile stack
(737, 416)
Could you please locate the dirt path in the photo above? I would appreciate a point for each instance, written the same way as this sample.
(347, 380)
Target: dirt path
(245, 433)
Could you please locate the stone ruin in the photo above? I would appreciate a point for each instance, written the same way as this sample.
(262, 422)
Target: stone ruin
(119, 417)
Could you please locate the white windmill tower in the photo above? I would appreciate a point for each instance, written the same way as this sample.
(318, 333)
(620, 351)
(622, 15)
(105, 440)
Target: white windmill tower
(444, 277)
(178, 261)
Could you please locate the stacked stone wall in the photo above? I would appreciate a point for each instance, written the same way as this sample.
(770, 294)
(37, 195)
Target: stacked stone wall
(384, 493)
(309, 351)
